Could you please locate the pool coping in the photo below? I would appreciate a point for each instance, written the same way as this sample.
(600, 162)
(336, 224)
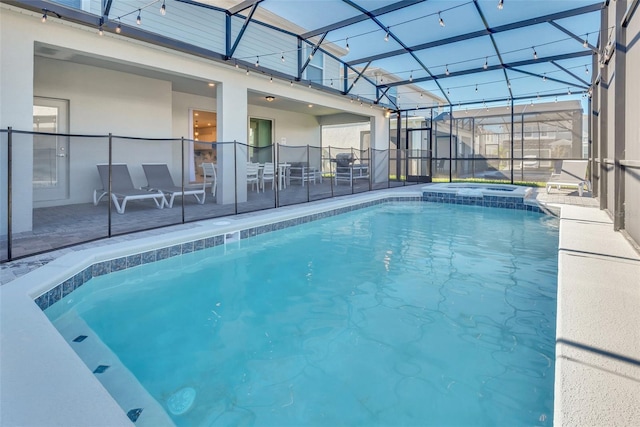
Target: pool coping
(41, 374)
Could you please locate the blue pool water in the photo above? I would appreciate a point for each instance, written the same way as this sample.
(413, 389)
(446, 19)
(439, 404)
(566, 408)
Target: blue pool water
(399, 314)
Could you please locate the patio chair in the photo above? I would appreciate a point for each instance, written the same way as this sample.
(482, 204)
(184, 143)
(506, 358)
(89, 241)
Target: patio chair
(348, 170)
(122, 188)
(268, 174)
(572, 174)
(253, 175)
(159, 178)
(210, 175)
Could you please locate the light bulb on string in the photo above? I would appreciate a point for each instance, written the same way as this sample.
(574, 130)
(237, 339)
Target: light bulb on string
(586, 69)
(500, 4)
(586, 41)
(282, 56)
(44, 16)
(411, 76)
(119, 27)
(347, 45)
(568, 91)
(257, 61)
(535, 54)
(100, 30)
(386, 36)
(446, 69)
(486, 63)
(544, 77)
(139, 18)
(163, 9)
(270, 79)
(476, 88)
(440, 21)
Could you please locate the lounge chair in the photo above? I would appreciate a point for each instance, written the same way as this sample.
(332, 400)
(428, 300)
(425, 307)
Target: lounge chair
(348, 170)
(122, 188)
(572, 174)
(159, 178)
(210, 176)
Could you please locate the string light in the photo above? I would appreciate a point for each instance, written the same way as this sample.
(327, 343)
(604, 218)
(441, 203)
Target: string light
(163, 9)
(100, 31)
(544, 77)
(535, 54)
(568, 91)
(448, 93)
(486, 63)
(500, 4)
(257, 61)
(386, 36)
(347, 45)
(440, 20)
(282, 56)
(586, 41)
(586, 69)
(556, 100)
(139, 19)
(44, 16)
(310, 56)
(270, 79)
(446, 70)
(247, 71)
(119, 27)
(291, 83)
(476, 88)
(411, 76)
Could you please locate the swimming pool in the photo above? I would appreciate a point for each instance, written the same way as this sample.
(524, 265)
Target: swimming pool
(411, 313)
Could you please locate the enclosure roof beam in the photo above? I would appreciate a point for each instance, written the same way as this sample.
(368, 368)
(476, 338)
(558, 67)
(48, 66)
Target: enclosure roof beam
(496, 67)
(242, 30)
(362, 17)
(495, 46)
(400, 42)
(242, 6)
(507, 27)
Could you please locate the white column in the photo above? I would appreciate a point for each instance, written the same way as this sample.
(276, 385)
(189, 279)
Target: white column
(16, 110)
(232, 126)
(380, 141)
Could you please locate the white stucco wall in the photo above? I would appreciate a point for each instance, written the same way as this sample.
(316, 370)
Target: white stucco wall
(103, 100)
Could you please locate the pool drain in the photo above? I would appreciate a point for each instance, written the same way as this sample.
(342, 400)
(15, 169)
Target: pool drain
(181, 401)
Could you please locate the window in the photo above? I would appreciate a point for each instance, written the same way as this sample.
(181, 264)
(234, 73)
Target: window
(315, 69)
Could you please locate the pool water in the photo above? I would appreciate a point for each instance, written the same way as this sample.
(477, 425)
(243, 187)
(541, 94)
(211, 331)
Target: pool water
(399, 314)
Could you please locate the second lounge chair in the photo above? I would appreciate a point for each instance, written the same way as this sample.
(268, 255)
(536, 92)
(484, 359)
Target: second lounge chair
(122, 188)
(159, 178)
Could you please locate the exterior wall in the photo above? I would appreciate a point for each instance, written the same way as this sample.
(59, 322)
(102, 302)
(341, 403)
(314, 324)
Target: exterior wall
(296, 128)
(632, 130)
(204, 29)
(126, 104)
(103, 100)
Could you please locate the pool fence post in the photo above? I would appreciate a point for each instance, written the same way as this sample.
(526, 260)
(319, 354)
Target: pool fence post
(182, 180)
(9, 191)
(109, 189)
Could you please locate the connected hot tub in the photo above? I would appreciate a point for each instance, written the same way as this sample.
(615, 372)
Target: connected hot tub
(490, 195)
